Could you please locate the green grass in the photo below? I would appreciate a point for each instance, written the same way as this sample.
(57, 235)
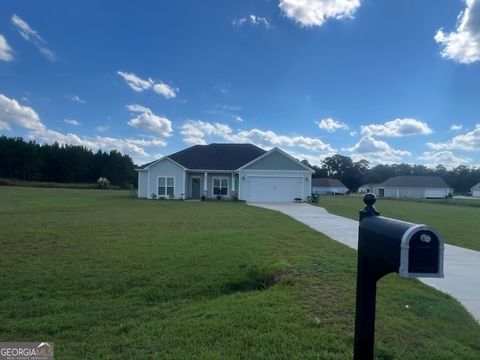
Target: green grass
(456, 220)
(109, 276)
(47, 184)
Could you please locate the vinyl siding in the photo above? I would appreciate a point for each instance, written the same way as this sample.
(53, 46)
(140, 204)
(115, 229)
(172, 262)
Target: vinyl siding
(168, 169)
(275, 161)
(142, 184)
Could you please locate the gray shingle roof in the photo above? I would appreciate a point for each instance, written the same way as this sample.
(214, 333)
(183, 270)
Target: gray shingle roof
(325, 182)
(215, 156)
(415, 181)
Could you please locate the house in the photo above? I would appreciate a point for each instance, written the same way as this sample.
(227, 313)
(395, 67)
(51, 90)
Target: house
(244, 171)
(413, 187)
(369, 188)
(475, 190)
(324, 186)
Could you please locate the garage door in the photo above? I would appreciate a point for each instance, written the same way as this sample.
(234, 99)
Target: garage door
(435, 193)
(268, 189)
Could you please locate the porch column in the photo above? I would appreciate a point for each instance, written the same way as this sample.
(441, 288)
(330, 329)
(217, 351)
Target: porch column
(205, 185)
(233, 184)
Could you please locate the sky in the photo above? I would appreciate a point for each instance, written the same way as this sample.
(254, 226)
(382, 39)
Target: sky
(388, 81)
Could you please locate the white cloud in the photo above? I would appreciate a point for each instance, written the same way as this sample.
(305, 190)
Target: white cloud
(376, 151)
(12, 113)
(195, 132)
(33, 36)
(238, 118)
(75, 98)
(397, 128)
(463, 44)
(147, 120)
(72, 122)
(445, 158)
(469, 141)
(269, 138)
(130, 146)
(102, 128)
(5, 50)
(254, 20)
(331, 125)
(316, 12)
(456, 127)
(312, 159)
(138, 84)
(165, 90)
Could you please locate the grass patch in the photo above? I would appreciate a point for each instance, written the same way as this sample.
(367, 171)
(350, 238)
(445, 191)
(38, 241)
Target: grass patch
(50, 184)
(106, 275)
(453, 218)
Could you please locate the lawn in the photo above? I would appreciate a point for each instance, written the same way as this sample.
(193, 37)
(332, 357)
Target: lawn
(456, 220)
(106, 275)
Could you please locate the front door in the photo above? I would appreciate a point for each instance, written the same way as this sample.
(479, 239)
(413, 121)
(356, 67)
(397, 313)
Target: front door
(195, 188)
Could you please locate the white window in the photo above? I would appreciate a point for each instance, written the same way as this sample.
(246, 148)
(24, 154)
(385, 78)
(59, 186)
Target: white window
(220, 186)
(166, 186)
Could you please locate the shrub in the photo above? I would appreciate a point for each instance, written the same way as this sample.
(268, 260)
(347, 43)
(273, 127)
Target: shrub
(103, 183)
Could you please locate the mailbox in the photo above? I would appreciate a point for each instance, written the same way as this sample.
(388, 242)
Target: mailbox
(409, 249)
(384, 246)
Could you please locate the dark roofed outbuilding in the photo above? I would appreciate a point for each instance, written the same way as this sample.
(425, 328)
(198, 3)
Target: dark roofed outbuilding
(413, 187)
(415, 182)
(328, 186)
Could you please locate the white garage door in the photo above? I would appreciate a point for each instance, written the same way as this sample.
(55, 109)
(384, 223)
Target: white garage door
(436, 193)
(260, 188)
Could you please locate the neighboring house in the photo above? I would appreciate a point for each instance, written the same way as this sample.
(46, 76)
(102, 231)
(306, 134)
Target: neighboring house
(476, 190)
(369, 188)
(227, 170)
(414, 187)
(324, 186)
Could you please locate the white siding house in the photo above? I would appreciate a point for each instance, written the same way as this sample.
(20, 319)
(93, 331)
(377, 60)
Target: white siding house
(475, 190)
(412, 187)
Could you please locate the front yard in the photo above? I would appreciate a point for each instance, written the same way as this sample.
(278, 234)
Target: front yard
(106, 275)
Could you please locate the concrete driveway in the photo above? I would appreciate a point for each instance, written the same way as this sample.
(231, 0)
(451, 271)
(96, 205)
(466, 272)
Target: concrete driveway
(461, 266)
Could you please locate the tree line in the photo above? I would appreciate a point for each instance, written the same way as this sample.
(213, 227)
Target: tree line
(355, 174)
(31, 161)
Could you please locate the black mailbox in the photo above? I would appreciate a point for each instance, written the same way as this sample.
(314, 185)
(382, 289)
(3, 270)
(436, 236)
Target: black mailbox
(409, 249)
(384, 246)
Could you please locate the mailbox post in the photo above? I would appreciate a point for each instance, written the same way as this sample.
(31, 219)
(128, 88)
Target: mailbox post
(384, 246)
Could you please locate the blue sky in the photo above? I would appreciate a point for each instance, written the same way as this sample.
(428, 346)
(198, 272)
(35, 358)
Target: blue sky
(389, 81)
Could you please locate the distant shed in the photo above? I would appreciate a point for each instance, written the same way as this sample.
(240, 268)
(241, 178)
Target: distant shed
(475, 190)
(414, 187)
(326, 186)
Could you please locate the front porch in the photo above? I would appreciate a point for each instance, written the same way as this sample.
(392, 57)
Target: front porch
(211, 184)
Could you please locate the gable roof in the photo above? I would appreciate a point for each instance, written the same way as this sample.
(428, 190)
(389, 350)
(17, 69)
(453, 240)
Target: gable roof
(415, 181)
(326, 182)
(147, 165)
(276, 149)
(214, 156)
